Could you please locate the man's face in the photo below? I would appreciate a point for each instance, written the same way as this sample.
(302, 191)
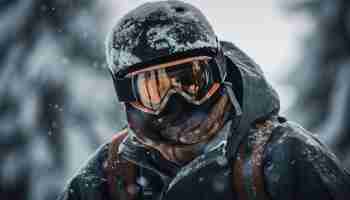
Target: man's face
(180, 106)
(175, 124)
(179, 131)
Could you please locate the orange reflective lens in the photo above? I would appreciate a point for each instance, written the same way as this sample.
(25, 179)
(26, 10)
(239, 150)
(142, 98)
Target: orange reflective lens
(191, 78)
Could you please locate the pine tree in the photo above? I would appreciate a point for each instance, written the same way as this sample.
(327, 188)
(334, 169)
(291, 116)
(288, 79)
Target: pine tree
(323, 74)
(47, 47)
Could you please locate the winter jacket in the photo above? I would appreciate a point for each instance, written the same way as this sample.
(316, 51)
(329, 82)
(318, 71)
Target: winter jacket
(294, 163)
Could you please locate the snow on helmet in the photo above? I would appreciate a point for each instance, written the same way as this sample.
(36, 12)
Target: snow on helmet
(158, 30)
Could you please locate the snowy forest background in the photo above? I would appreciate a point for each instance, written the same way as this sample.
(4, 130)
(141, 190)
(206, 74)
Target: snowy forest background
(57, 103)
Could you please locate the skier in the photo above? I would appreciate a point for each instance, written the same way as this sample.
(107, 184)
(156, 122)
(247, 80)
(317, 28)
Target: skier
(203, 122)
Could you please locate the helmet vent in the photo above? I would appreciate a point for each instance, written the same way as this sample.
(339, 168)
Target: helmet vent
(179, 9)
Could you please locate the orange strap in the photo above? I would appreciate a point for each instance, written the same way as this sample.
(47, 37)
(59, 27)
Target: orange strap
(248, 168)
(248, 175)
(121, 174)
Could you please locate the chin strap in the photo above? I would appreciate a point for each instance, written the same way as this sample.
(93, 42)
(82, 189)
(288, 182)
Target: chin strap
(234, 138)
(237, 108)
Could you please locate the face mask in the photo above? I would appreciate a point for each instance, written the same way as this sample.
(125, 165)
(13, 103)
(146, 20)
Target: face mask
(181, 142)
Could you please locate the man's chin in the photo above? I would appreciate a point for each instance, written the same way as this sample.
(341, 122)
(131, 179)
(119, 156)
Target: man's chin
(197, 126)
(191, 126)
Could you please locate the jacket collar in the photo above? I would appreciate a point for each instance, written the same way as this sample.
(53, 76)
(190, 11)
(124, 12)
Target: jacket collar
(137, 153)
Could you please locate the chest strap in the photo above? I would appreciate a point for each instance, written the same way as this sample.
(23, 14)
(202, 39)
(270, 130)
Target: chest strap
(248, 175)
(121, 174)
(248, 168)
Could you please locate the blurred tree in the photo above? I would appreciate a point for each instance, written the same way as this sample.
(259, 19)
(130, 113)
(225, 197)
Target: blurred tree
(323, 75)
(46, 46)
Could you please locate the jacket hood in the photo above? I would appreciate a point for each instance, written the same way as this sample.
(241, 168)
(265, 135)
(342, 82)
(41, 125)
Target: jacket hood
(257, 98)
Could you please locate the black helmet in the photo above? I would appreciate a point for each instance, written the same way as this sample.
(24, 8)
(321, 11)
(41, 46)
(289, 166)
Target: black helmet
(159, 31)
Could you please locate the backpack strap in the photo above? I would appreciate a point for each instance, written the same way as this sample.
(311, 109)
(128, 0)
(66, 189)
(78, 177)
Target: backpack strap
(248, 171)
(121, 174)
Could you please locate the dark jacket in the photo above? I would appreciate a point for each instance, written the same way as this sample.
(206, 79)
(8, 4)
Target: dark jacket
(296, 165)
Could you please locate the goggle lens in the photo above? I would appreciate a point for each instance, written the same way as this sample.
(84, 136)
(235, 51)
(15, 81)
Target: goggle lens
(191, 78)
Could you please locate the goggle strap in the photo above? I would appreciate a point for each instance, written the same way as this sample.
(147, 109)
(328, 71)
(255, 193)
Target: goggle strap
(216, 73)
(125, 89)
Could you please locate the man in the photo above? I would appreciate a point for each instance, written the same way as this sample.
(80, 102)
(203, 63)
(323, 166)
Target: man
(203, 122)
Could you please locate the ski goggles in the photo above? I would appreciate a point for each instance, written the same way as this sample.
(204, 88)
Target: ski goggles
(149, 89)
